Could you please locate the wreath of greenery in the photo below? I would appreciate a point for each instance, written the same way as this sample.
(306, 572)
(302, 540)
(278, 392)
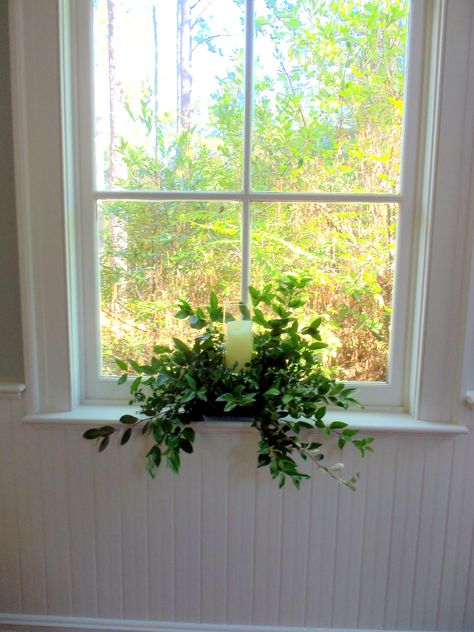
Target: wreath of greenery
(283, 390)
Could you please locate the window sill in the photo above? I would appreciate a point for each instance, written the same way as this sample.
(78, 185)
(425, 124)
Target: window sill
(11, 390)
(367, 421)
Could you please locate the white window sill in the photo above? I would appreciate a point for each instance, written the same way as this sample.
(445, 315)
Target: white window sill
(370, 422)
(11, 390)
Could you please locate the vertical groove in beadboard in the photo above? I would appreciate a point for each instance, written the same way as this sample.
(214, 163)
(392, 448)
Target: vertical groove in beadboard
(464, 579)
(134, 530)
(278, 612)
(30, 518)
(295, 530)
(451, 564)
(349, 536)
(468, 611)
(227, 557)
(15, 411)
(469, 602)
(380, 475)
(81, 485)
(438, 455)
(214, 511)
(161, 545)
(267, 542)
(403, 541)
(109, 534)
(188, 538)
(10, 579)
(322, 551)
(241, 532)
(56, 532)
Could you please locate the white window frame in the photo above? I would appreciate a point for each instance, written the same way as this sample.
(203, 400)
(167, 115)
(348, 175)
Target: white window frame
(49, 235)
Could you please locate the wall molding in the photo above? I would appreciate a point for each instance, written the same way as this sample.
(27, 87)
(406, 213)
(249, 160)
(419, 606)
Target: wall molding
(43, 623)
(11, 390)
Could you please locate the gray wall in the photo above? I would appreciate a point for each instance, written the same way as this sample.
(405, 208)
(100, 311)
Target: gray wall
(11, 355)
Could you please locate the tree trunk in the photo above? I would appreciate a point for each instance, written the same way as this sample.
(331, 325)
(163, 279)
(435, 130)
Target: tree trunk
(184, 65)
(155, 80)
(113, 92)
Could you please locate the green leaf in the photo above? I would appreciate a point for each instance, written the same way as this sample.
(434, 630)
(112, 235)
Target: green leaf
(135, 366)
(92, 433)
(254, 295)
(319, 414)
(350, 432)
(191, 381)
(179, 344)
(173, 461)
(122, 379)
(126, 436)
(182, 314)
(195, 322)
(244, 311)
(189, 434)
(135, 384)
(186, 446)
(104, 443)
(263, 459)
(213, 300)
(259, 318)
(216, 314)
(337, 424)
(121, 364)
(128, 419)
(153, 460)
(272, 392)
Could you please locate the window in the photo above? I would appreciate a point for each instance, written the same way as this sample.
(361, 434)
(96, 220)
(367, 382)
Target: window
(62, 308)
(269, 142)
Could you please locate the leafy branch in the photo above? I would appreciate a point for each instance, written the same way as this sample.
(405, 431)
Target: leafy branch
(283, 389)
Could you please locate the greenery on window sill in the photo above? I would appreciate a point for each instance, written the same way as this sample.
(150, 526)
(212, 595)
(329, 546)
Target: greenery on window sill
(283, 389)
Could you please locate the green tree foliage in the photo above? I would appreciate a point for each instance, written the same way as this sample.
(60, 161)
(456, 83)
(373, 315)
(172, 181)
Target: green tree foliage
(329, 89)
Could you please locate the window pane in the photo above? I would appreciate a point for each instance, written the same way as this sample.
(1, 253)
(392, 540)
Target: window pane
(152, 254)
(329, 95)
(348, 250)
(168, 94)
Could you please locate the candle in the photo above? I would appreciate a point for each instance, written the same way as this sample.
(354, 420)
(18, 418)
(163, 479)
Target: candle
(238, 343)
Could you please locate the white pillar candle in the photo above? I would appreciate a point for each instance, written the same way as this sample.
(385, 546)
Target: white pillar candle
(238, 343)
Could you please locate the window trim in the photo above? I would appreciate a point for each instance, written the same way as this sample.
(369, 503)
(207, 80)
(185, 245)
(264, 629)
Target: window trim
(49, 283)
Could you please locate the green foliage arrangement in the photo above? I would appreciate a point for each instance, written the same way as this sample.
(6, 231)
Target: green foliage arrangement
(284, 389)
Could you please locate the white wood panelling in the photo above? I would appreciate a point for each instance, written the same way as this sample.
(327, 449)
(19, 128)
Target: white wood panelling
(90, 535)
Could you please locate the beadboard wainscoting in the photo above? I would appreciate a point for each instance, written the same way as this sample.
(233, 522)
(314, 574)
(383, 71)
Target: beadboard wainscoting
(89, 538)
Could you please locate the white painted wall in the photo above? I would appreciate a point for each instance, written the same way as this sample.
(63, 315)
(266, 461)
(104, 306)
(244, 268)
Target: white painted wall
(89, 535)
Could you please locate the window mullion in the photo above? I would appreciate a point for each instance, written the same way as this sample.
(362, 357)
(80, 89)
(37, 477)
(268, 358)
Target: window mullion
(247, 149)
